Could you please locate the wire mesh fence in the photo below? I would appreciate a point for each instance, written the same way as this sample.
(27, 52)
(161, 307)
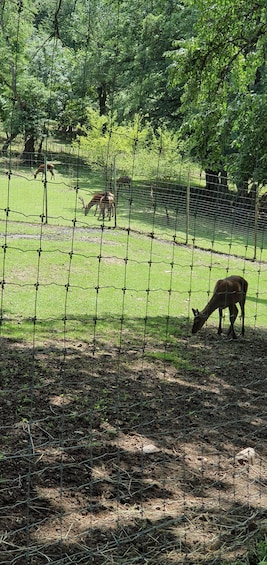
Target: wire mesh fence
(124, 438)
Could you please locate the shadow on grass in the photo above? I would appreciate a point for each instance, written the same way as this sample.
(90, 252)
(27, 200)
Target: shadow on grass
(256, 299)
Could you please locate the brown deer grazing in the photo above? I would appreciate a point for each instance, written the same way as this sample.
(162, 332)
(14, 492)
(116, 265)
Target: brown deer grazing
(96, 200)
(124, 181)
(106, 206)
(227, 293)
(41, 169)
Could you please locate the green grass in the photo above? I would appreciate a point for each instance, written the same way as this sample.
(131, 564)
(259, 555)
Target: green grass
(64, 275)
(67, 278)
(256, 556)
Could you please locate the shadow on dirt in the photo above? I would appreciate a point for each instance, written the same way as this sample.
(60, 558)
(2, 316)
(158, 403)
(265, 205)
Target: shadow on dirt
(127, 452)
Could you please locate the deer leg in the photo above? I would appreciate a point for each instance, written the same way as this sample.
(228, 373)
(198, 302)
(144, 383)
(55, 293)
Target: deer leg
(242, 305)
(167, 215)
(220, 321)
(102, 213)
(233, 314)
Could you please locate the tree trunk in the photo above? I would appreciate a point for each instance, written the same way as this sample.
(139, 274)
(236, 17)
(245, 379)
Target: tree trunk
(242, 188)
(28, 151)
(224, 180)
(212, 179)
(102, 99)
(39, 152)
(8, 142)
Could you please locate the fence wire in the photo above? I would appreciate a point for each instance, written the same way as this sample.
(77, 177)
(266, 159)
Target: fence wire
(125, 439)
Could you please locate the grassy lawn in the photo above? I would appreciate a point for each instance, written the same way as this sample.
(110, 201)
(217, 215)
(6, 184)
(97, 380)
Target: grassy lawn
(68, 272)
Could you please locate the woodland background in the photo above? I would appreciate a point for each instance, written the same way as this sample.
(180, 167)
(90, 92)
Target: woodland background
(193, 71)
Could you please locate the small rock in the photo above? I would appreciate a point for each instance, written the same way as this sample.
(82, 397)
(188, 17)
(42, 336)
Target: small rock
(150, 448)
(247, 455)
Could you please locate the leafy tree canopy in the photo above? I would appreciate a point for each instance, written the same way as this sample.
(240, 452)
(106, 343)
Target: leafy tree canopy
(193, 66)
(222, 67)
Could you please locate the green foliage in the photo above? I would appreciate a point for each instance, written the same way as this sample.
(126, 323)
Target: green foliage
(257, 556)
(108, 142)
(223, 71)
(197, 67)
(24, 97)
(91, 52)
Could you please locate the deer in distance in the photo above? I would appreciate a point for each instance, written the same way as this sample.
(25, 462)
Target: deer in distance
(103, 200)
(41, 169)
(227, 293)
(124, 181)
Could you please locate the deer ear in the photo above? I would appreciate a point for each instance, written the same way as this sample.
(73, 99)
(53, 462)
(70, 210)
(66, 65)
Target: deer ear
(195, 312)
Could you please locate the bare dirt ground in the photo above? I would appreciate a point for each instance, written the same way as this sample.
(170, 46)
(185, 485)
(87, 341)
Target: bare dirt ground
(120, 456)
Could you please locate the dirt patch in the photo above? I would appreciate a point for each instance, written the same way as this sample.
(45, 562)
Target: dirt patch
(114, 456)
